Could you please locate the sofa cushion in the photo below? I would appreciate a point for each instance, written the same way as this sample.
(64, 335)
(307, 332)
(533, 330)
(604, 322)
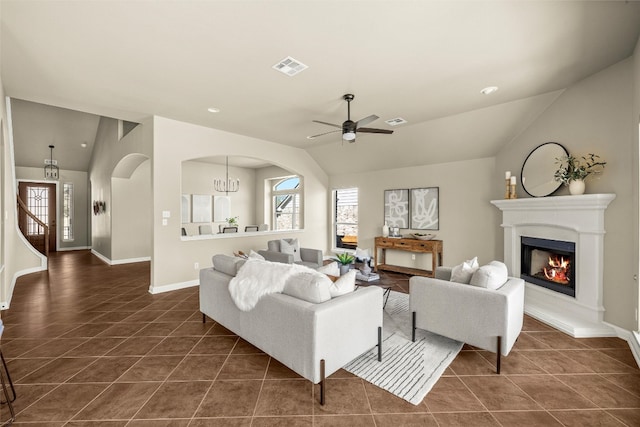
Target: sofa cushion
(344, 284)
(462, 273)
(490, 276)
(308, 286)
(227, 264)
(292, 247)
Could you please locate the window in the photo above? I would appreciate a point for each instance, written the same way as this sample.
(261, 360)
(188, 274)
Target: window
(67, 211)
(346, 218)
(286, 196)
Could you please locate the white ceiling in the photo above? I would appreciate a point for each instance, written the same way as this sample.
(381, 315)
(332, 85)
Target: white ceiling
(423, 61)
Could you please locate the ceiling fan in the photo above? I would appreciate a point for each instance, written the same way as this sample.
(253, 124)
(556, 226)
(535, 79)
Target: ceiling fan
(349, 127)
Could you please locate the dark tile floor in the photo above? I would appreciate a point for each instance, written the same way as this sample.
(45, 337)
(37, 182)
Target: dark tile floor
(87, 345)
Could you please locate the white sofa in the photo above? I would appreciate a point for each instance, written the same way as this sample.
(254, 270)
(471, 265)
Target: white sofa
(313, 340)
(490, 319)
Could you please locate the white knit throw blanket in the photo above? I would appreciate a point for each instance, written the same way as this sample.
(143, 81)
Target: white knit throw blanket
(257, 278)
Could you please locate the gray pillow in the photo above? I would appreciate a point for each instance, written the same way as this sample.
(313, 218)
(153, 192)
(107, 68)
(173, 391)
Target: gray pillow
(292, 248)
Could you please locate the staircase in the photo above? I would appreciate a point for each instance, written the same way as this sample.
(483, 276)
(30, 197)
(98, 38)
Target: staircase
(35, 231)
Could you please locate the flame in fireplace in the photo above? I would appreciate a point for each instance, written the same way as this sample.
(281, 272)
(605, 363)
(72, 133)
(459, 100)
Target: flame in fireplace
(558, 270)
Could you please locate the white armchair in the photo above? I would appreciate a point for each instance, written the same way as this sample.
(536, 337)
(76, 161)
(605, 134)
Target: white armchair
(485, 318)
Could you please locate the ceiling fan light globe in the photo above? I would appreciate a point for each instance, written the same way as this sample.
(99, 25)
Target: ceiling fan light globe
(349, 136)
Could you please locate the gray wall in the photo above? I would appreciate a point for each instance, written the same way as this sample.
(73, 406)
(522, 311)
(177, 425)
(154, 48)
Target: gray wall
(595, 116)
(174, 142)
(130, 215)
(465, 215)
(108, 153)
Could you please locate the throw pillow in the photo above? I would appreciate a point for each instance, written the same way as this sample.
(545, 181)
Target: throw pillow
(330, 269)
(292, 248)
(491, 276)
(462, 273)
(255, 255)
(308, 286)
(343, 284)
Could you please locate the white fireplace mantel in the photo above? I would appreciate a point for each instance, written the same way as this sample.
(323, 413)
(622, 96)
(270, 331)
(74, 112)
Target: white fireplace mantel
(578, 219)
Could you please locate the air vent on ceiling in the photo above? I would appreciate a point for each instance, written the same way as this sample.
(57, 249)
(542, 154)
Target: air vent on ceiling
(395, 122)
(290, 66)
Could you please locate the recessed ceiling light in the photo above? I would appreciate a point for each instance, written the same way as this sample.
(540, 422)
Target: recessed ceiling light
(83, 145)
(213, 110)
(290, 66)
(489, 90)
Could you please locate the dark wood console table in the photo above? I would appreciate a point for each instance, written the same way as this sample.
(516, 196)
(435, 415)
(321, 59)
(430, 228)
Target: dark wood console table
(434, 247)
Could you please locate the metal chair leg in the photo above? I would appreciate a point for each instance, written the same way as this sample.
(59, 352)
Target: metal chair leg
(498, 353)
(322, 382)
(6, 395)
(413, 326)
(6, 369)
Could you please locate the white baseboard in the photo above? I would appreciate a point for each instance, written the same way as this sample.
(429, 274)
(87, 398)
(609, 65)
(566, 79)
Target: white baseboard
(75, 248)
(130, 260)
(172, 287)
(119, 261)
(634, 343)
(101, 257)
(4, 305)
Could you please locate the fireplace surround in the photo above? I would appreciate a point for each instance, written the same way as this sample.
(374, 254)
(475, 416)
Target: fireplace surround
(577, 220)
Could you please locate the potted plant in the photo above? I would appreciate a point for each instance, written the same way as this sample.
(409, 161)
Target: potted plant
(573, 171)
(233, 221)
(344, 259)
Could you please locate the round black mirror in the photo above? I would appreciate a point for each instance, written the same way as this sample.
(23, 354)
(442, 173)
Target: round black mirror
(538, 169)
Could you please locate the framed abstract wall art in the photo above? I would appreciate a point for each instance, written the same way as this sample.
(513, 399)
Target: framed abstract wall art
(396, 208)
(424, 208)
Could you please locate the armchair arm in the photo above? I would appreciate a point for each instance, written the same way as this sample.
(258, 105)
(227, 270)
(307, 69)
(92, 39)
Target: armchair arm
(274, 256)
(311, 255)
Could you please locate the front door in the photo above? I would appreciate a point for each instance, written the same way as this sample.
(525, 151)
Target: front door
(40, 199)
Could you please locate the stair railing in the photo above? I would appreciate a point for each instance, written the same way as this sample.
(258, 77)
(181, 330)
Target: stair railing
(22, 207)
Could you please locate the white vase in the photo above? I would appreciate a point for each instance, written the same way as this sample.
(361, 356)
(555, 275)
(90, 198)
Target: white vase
(385, 230)
(576, 187)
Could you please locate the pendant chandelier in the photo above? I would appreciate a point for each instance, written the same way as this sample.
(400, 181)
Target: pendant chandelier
(51, 170)
(226, 185)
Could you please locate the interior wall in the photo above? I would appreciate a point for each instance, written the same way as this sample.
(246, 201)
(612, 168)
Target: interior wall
(636, 174)
(595, 116)
(107, 153)
(80, 183)
(197, 178)
(130, 214)
(465, 214)
(18, 256)
(173, 260)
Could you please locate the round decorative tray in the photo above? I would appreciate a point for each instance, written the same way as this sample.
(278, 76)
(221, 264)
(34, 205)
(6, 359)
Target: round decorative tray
(423, 236)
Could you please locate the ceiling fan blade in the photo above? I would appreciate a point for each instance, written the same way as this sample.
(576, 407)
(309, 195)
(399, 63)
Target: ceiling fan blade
(374, 130)
(367, 120)
(321, 134)
(328, 124)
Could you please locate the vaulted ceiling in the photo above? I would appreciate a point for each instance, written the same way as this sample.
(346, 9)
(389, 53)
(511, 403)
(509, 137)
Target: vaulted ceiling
(425, 62)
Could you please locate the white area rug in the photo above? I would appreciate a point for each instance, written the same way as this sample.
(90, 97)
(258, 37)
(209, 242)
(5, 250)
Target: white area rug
(408, 369)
